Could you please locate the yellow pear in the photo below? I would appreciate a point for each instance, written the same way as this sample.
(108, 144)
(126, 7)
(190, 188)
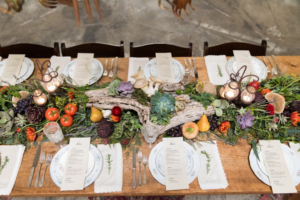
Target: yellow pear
(203, 124)
(96, 115)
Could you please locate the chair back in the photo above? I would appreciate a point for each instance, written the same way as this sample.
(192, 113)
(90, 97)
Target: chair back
(227, 48)
(30, 50)
(99, 50)
(151, 49)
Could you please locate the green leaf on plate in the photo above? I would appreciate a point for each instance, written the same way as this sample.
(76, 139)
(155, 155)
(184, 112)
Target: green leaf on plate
(254, 146)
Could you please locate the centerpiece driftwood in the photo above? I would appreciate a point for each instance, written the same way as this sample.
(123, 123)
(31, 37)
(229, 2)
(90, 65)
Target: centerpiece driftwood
(193, 110)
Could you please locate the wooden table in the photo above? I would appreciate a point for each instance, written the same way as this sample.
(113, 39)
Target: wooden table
(235, 161)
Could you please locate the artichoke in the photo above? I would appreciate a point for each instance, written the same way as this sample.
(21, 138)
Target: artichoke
(162, 107)
(125, 89)
(35, 115)
(105, 128)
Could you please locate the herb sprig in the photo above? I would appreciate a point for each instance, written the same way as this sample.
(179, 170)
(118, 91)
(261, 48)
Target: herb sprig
(4, 164)
(208, 161)
(109, 161)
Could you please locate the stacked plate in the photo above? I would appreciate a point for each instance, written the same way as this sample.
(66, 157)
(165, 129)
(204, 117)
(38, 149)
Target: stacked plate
(26, 69)
(156, 163)
(96, 71)
(291, 158)
(94, 168)
(151, 70)
(259, 68)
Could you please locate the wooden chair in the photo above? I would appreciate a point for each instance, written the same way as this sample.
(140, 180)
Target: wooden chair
(227, 48)
(151, 49)
(99, 50)
(30, 50)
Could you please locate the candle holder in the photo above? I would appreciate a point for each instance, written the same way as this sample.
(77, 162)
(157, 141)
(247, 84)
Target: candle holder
(39, 98)
(248, 95)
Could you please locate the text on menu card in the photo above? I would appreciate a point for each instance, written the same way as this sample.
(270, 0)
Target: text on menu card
(83, 70)
(174, 164)
(164, 66)
(244, 58)
(279, 174)
(76, 164)
(12, 68)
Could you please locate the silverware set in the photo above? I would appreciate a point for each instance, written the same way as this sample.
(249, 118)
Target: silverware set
(273, 70)
(41, 158)
(141, 160)
(112, 73)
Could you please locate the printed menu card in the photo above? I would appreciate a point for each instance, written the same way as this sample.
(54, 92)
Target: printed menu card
(174, 164)
(83, 71)
(279, 174)
(244, 58)
(76, 164)
(12, 68)
(165, 68)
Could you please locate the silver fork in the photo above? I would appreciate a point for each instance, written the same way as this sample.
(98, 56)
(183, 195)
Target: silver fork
(111, 74)
(145, 162)
(273, 68)
(264, 60)
(140, 158)
(48, 161)
(105, 71)
(42, 160)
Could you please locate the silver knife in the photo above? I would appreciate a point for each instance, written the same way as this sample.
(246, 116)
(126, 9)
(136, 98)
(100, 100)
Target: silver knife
(133, 166)
(278, 69)
(116, 67)
(273, 69)
(34, 164)
(195, 68)
(266, 64)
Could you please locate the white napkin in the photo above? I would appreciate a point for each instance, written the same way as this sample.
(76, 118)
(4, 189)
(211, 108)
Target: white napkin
(9, 173)
(60, 62)
(212, 63)
(295, 147)
(216, 178)
(134, 64)
(110, 181)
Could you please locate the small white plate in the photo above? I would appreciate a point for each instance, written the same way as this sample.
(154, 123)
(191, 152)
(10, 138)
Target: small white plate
(156, 163)
(63, 160)
(259, 68)
(151, 70)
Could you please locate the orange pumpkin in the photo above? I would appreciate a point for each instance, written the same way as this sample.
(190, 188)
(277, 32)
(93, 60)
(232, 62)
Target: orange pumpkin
(190, 130)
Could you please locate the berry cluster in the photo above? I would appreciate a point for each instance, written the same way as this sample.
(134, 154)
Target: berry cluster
(175, 131)
(22, 106)
(214, 122)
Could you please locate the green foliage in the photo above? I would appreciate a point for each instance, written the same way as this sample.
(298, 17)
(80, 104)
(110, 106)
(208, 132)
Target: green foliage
(208, 161)
(112, 91)
(141, 97)
(162, 108)
(220, 71)
(109, 161)
(254, 146)
(4, 164)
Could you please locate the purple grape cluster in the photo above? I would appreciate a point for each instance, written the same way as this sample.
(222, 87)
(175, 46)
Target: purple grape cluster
(214, 122)
(175, 131)
(286, 112)
(22, 106)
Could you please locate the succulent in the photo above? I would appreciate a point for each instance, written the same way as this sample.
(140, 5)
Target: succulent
(20, 120)
(112, 88)
(245, 120)
(35, 115)
(180, 102)
(162, 107)
(105, 128)
(125, 89)
(220, 105)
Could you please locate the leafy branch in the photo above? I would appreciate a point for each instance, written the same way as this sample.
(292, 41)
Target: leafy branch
(5, 162)
(220, 71)
(109, 161)
(208, 161)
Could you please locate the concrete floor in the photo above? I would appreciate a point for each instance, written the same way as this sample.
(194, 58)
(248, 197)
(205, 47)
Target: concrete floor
(143, 22)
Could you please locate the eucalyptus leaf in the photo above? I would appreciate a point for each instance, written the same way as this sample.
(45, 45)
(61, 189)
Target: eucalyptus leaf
(35, 143)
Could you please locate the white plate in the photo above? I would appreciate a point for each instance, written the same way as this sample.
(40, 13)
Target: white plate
(259, 68)
(156, 164)
(96, 73)
(264, 178)
(151, 69)
(63, 160)
(89, 179)
(288, 161)
(26, 69)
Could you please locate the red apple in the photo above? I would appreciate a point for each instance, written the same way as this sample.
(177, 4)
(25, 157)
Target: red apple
(116, 111)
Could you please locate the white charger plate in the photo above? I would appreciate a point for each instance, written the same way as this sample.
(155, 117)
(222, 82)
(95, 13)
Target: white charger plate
(89, 179)
(264, 177)
(96, 73)
(151, 70)
(26, 69)
(259, 68)
(156, 163)
(63, 159)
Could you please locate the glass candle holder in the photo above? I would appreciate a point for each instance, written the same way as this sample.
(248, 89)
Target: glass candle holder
(222, 90)
(150, 133)
(39, 97)
(232, 91)
(54, 133)
(248, 95)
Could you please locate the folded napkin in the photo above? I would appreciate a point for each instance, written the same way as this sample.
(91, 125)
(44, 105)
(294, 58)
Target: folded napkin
(216, 178)
(134, 64)
(59, 62)
(212, 63)
(110, 180)
(295, 147)
(9, 173)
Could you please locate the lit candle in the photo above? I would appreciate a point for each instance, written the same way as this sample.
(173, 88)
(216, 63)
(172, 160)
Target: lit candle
(246, 98)
(229, 94)
(51, 87)
(248, 95)
(39, 97)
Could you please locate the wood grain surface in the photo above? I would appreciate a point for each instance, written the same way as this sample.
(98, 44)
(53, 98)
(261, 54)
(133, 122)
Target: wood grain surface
(235, 160)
